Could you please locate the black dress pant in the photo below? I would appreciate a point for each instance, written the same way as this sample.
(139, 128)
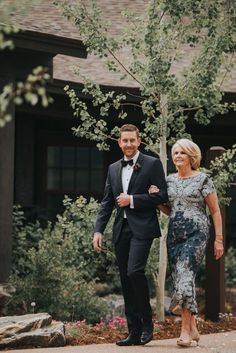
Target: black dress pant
(132, 255)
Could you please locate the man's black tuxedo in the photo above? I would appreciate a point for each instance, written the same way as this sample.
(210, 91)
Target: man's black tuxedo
(133, 235)
(142, 219)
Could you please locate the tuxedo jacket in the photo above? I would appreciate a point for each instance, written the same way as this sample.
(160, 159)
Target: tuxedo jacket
(142, 219)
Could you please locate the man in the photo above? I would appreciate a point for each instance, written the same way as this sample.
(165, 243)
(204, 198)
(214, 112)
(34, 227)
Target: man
(135, 226)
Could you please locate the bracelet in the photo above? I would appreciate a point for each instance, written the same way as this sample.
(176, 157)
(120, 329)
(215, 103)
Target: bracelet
(219, 240)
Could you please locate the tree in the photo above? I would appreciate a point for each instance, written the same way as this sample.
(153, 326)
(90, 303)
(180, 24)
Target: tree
(32, 90)
(154, 43)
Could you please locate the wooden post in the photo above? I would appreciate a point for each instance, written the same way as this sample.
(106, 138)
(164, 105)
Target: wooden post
(215, 282)
(7, 146)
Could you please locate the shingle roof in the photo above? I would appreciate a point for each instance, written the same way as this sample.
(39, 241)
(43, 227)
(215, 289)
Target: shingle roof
(46, 19)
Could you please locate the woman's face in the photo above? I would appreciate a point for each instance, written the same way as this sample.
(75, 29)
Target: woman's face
(180, 158)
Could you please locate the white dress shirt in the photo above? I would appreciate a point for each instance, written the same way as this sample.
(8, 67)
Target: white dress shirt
(126, 176)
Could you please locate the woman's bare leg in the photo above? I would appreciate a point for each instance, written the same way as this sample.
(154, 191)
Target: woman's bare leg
(193, 329)
(186, 325)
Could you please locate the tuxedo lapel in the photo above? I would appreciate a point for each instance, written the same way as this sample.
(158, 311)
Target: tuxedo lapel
(119, 178)
(135, 172)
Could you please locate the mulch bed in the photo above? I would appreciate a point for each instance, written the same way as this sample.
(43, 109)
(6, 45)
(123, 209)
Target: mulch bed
(81, 334)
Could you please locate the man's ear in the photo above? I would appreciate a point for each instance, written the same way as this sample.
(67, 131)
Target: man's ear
(119, 141)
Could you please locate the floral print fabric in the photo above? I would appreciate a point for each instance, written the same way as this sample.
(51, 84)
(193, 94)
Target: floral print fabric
(188, 233)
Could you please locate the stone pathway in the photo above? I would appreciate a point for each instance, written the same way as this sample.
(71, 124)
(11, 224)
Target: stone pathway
(214, 343)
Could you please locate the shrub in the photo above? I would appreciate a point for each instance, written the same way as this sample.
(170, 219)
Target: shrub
(25, 237)
(56, 268)
(230, 268)
(77, 226)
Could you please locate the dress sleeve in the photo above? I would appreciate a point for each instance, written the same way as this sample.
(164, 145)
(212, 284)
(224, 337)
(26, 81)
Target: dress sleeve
(207, 186)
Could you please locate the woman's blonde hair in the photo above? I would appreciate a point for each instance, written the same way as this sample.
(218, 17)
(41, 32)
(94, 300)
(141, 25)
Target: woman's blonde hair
(191, 149)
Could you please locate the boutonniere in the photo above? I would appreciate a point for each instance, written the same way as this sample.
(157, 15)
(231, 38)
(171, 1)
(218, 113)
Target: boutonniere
(137, 167)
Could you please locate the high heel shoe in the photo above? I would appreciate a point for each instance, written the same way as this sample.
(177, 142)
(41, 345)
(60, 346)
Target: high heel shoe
(183, 343)
(196, 338)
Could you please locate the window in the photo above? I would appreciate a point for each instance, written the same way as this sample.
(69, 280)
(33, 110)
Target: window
(73, 171)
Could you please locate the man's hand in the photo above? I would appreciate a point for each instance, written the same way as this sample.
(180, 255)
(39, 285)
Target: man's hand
(123, 200)
(97, 242)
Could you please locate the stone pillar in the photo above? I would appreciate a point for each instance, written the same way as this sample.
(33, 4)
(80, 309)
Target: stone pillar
(215, 282)
(7, 145)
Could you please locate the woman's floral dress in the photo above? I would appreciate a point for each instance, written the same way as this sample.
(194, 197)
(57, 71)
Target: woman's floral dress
(188, 233)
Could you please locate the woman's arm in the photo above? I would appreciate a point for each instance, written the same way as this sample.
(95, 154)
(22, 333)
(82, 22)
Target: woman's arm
(165, 207)
(213, 205)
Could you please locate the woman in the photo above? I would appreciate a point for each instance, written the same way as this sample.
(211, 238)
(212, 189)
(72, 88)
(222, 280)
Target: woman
(189, 190)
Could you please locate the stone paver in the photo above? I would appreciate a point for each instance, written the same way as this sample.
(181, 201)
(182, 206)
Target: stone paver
(214, 343)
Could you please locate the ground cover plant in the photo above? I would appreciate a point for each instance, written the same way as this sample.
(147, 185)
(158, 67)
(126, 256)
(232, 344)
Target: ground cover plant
(80, 333)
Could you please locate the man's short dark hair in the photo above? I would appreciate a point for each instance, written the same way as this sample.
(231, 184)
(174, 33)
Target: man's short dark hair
(129, 127)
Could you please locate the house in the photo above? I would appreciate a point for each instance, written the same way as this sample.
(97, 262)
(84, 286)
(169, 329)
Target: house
(41, 160)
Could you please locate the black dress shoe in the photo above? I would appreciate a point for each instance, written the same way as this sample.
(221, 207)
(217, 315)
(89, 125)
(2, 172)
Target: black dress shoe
(131, 340)
(146, 337)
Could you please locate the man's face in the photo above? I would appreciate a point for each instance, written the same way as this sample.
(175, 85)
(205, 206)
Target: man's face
(129, 143)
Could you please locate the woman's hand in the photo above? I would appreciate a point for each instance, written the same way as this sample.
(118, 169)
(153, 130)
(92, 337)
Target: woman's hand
(153, 188)
(218, 249)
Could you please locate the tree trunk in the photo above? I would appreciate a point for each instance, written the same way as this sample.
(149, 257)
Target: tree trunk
(160, 283)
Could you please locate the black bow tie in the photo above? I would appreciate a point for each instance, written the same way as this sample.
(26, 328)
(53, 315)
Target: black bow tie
(125, 163)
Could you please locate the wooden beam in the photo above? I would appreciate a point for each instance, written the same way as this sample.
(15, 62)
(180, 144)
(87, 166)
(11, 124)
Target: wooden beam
(215, 282)
(7, 146)
(49, 43)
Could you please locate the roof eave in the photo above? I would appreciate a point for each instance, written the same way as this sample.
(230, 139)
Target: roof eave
(49, 43)
(57, 86)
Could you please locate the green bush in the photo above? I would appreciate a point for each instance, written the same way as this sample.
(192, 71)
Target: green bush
(77, 226)
(56, 267)
(25, 237)
(230, 268)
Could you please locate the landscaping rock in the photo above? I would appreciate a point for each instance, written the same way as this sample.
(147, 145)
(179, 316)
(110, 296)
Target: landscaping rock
(32, 330)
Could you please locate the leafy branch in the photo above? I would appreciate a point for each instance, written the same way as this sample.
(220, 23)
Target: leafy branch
(223, 171)
(32, 91)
